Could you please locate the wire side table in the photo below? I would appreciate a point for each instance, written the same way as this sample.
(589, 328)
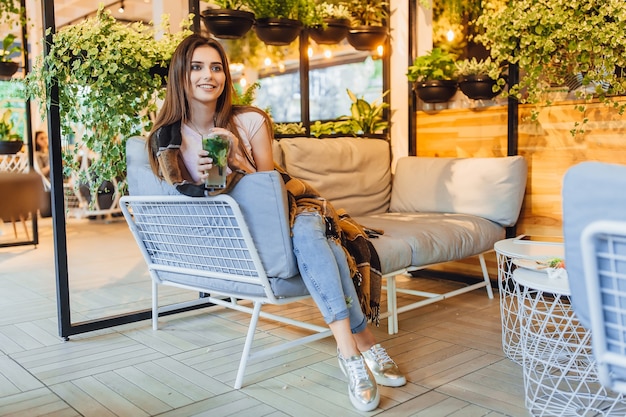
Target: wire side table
(506, 251)
(560, 373)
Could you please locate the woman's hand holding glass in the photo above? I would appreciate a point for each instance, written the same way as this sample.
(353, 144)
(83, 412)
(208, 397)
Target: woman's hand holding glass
(206, 162)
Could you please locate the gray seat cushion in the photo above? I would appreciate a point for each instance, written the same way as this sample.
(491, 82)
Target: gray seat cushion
(433, 237)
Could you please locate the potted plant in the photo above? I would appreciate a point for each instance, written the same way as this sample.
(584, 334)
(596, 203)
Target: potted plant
(434, 75)
(10, 141)
(551, 40)
(278, 21)
(366, 119)
(479, 79)
(106, 89)
(332, 23)
(368, 28)
(227, 19)
(8, 67)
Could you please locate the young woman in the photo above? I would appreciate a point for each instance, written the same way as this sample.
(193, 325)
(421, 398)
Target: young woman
(199, 102)
(41, 153)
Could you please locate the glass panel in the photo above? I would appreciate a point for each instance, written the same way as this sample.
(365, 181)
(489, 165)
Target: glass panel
(280, 93)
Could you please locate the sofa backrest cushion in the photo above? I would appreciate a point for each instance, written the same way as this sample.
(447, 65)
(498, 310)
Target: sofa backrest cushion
(353, 173)
(261, 197)
(492, 188)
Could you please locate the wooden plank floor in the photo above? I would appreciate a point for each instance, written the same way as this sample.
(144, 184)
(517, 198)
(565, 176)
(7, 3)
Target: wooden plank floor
(450, 351)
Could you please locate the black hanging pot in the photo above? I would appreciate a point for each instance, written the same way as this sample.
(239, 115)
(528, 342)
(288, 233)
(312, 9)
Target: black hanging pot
(277, 31)
(7, 69)
(10, 147)
(336, 30)
(367, 38)
(227, 23)
(478, 87)
(436, 91)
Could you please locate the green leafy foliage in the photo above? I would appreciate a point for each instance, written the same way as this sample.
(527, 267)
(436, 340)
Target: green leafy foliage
(436, 64)
(289, 129)
(369, 12)
(365, 119)
(7, 49)
(7, 128)
(553, 40)
(228, 4)
(247, 97)
(478, 67)
(288, 9)
(106, 91)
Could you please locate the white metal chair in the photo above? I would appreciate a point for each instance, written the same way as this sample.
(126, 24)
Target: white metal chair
(603, 246)
(594, 228)
(203, 244)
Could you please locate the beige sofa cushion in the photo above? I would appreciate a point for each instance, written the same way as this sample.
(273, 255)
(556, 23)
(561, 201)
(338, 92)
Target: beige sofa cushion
(492, 188)
(353, 173)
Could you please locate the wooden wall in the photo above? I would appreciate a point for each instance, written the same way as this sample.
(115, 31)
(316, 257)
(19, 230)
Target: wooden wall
(547, 145)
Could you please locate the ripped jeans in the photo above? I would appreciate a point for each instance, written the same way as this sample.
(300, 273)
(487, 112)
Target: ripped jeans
(325, 272)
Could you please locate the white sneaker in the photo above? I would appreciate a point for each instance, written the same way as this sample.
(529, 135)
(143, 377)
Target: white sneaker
(362, 389)
(383, 367)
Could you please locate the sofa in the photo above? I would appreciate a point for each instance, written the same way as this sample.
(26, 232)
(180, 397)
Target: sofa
(432, 210)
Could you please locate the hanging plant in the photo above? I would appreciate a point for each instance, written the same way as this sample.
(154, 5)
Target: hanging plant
(106, 88)
(553, 40)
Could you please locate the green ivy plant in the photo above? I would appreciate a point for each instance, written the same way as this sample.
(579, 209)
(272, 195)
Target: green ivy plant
(107, 91)
(553, 40)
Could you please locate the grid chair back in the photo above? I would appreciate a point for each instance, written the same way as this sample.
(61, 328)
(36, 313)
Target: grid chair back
(205, 238)
(603, 245)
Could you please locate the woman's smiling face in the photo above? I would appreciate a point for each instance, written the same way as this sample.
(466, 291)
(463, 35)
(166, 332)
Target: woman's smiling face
(207, 77)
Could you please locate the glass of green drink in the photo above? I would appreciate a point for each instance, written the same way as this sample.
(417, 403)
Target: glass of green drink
(217, 147)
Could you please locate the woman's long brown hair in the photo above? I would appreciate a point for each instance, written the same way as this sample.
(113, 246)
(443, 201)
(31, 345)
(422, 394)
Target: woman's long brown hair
(176, 105)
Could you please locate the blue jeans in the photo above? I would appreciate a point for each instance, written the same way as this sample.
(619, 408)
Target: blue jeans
(325, 272)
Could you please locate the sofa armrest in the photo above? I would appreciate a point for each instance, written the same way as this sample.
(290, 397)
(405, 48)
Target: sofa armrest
(492, 188)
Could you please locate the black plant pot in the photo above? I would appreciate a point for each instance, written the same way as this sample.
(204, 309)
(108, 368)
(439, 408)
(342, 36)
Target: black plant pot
(10, 147)
(478, 87)
(367, 38)
(277, 32)
(336, 30)
(7, 69)
(436, 91)
(227, 23)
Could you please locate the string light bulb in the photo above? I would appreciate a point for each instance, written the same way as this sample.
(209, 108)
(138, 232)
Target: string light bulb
(121, 9)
